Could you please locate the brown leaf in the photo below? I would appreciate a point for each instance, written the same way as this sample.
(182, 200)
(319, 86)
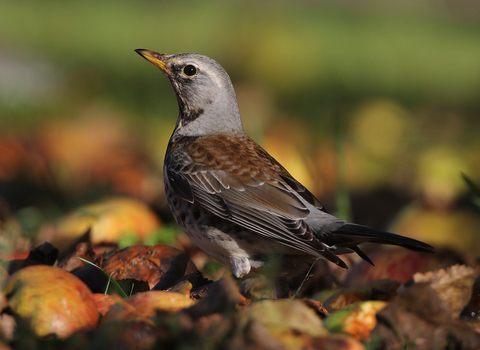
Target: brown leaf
(453, 285)
(377, 290)
(290, 321)
(258, 287)
(142, 262)
(144, 306)
(419, 319)
(83, 250)
(175, 272)
(316, 306)
(395, 263)
(222, 297)
(131, 335)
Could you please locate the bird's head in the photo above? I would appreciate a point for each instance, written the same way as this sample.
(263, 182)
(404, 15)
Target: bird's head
(205, 94)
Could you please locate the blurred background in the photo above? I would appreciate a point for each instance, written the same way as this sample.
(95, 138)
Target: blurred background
(373, 105)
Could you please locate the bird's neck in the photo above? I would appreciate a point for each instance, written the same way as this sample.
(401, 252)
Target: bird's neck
(197, 122)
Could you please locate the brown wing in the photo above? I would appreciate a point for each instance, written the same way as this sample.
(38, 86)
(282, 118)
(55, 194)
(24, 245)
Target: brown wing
(237, 180)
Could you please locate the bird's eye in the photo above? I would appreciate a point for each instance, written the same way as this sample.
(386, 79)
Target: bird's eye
(189, 70)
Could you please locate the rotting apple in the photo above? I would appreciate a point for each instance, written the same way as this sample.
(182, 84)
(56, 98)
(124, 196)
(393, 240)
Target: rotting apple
(54, 301)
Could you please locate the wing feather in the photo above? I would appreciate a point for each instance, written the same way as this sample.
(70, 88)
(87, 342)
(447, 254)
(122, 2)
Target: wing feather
(267, 205)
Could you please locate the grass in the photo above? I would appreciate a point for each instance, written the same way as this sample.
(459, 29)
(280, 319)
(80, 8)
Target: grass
(304, 280)
(120, 290)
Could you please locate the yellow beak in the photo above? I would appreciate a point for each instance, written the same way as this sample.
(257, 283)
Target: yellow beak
(155, 58)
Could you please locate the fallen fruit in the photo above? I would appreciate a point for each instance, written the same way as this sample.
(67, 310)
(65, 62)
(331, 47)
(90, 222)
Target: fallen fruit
(105, 301)
(54, 301)
(109, 220)
(142, 306)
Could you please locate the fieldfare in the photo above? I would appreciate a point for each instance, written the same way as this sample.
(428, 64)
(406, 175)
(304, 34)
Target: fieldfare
(233, 199)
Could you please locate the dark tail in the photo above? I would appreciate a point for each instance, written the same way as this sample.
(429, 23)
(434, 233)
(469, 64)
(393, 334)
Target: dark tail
(349, 235)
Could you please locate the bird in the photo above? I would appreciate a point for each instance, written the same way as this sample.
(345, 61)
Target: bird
(231, 197)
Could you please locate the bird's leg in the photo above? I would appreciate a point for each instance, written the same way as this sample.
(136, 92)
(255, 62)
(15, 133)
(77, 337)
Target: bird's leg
(282, 289)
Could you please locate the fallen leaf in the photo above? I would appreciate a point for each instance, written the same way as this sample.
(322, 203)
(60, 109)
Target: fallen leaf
(419, 319)
(258, 287)
(356, 319)
(144, 306)
(83, 250)
(222, 297)
(290, 321)
(395, 263)
(453, 285)
(142, 262)
(316, 306)
(377, 290)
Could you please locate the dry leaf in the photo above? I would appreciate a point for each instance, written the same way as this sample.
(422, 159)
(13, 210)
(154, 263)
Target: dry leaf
(395, 263)
(290, 321)
(377, 290)
(419, 319)
(453, 285)
(142, 262)
(144, 306)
